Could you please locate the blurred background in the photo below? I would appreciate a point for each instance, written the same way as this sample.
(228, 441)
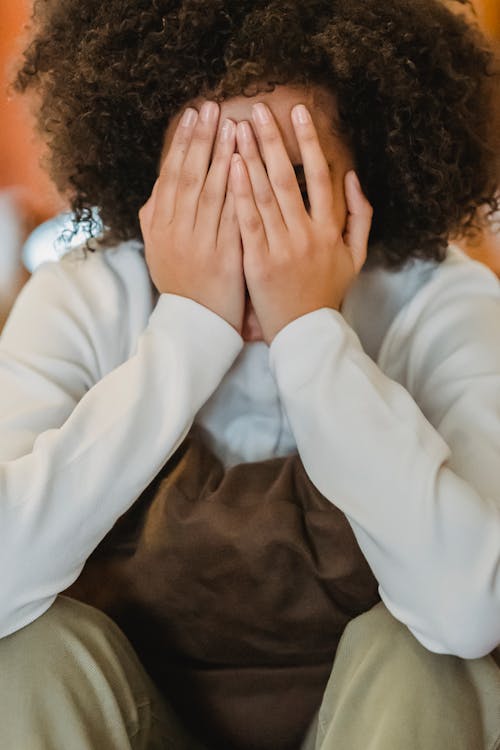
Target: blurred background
(28, 201)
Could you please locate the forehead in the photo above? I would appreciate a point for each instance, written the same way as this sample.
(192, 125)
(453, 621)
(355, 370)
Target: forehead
(320, 102)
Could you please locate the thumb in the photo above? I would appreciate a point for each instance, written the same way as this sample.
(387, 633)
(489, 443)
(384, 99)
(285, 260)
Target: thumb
(147, 210)
(359, 219)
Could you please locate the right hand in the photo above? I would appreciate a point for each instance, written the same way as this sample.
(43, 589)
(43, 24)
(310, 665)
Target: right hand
(191, 234)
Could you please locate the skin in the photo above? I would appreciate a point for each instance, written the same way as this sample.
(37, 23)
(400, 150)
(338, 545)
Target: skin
(226, 223)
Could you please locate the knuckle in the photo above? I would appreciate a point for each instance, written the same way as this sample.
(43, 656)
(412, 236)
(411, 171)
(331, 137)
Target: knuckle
(321, 176)
(285, 182)
(209, 196)
(308, 135)
(270, 135)
(203, 135)
(189, 179)
(183, 136)
(264, 196)
(252, 224)
(229, 220)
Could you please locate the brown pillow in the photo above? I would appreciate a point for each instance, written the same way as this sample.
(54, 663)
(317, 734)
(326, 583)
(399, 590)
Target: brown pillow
(234, 588)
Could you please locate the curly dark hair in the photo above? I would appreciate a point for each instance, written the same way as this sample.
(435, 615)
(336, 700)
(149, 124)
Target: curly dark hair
(414, 83)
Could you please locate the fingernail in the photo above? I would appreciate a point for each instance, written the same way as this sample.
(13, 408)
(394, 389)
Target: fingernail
(209, 111)
(227, 131)
(300, 115)
(189, 117)
(261, 113)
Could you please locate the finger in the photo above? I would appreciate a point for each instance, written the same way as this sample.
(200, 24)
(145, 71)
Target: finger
(263, 194)
(316, 169)
(195, 167)
(249, 219)
(229, 238)
(213, 195)
(359, 220)
(279, 167)
(169, 173)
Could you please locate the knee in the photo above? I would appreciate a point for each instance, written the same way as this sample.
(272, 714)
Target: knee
(381, 666)
(377, 628)
(388, 648)
(44, 645)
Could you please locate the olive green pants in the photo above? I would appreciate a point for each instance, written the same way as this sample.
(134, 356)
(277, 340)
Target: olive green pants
(71, 681)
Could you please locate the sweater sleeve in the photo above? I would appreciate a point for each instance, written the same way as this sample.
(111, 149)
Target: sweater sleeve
(413, 464)
(84, 424)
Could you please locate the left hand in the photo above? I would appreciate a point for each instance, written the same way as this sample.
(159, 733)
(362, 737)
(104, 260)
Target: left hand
(294, 261)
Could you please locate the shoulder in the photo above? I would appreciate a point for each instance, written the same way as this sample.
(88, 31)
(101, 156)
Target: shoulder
(116, 287)
(459, 278)
(386, 308)
(459, 291)
(118, 270)
(448, 331)
(102, 298)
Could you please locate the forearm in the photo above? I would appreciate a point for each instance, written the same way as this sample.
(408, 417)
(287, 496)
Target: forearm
(430, 538)
(61, 499)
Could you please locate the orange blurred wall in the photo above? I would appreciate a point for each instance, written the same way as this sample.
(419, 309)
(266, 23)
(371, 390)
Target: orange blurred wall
(487, 248)
(489, 15)
(19, 150)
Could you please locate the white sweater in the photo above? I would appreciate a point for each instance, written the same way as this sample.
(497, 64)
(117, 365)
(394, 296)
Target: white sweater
(393, 406)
